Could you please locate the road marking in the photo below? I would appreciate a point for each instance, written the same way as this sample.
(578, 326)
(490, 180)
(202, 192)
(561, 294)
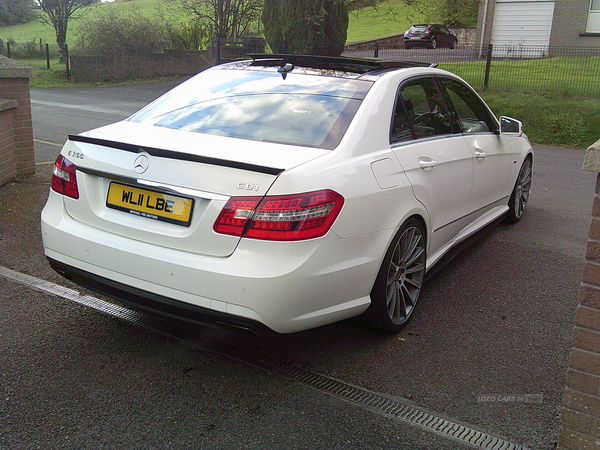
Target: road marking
(81, 107)
(48, 143)
(375, 402)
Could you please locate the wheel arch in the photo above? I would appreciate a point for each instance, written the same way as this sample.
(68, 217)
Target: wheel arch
(530, 155)
(420, 217)
(382, 315)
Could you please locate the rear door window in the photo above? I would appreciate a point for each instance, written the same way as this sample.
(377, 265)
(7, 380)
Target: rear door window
(420, 112)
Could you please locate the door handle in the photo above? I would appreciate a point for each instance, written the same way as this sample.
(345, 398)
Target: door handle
(427, 163)
(479, 154)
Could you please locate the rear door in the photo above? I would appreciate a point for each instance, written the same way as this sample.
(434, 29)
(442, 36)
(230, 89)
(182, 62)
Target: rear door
(438, 162)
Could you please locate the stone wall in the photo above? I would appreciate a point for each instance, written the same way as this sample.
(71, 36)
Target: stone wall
(580, 418)
(169, 63)
(465, 36)
(16, 127)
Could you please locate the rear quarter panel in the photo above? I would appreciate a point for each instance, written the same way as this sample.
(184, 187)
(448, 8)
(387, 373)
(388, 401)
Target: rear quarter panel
(348, 170)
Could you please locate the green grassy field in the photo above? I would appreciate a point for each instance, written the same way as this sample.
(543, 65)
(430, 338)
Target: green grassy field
(551, 119)
(565, 75)
(34, 31)
(556, 98)
(389, 19)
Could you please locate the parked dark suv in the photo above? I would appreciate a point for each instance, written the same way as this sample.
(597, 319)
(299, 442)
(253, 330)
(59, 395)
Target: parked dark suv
(431, 36)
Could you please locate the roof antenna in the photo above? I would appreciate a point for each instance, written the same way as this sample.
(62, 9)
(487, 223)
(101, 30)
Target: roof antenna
(285, 68)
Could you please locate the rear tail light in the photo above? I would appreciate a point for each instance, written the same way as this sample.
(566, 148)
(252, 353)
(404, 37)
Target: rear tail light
(280, 218)
(64, 178)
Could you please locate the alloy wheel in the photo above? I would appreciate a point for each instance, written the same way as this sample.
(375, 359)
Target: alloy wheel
(405, 276)
(522, 189)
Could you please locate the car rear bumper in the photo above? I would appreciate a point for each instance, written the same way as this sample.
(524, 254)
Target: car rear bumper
(285, 287)
(155, 303)
(421, 42)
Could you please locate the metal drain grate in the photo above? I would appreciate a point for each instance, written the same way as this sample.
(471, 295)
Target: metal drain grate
(331, 386)
(388, 406)
(120, 312)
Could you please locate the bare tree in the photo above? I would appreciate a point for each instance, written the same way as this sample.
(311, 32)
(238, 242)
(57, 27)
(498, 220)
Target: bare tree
(57, 13)
(226, 18)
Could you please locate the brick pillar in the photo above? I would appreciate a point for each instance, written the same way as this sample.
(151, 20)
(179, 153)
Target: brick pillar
(8, 159)
(16, 126)
(580, 418)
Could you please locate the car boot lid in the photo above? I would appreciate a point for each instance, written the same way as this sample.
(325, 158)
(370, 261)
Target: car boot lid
(265, 157)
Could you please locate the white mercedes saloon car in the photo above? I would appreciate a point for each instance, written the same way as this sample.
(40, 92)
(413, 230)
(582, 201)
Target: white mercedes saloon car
(285, 192)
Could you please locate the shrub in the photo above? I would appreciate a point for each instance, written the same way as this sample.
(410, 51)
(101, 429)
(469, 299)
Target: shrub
(192, 36)
(13, 12)
(124, 32)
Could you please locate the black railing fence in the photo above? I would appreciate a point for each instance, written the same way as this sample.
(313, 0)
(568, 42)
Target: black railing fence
(28, 49)
(506, 68)
(539, 69)
(224, 50)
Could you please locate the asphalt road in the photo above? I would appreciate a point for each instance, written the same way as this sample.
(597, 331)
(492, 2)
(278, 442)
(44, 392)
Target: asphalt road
(60, 112)
(497, 320)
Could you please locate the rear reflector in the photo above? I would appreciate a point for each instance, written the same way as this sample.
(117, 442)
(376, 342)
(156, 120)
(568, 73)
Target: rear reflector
(280, 218)
(64, 178)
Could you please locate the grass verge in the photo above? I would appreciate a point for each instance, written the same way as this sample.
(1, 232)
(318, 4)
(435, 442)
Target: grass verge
(551, 119)
(56, 76)
(575, 75)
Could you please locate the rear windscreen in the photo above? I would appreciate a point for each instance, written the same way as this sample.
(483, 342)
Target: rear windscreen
(301, 109)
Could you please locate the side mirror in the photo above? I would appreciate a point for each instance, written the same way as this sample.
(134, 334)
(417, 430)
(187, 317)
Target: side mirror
(510, 126)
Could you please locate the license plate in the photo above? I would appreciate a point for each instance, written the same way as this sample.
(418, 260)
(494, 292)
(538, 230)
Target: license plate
(414, 38)
(150, 204)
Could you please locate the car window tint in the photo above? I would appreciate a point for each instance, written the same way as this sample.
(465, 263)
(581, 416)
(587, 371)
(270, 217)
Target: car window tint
(310, 120)
(401, 125)
(472, 116)
(262, 106)
(424, 110)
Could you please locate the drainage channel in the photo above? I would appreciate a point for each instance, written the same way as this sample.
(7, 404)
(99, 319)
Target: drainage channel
(344, 391)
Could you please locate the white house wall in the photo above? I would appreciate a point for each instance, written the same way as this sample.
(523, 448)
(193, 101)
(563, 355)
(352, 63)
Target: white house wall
(519, 23)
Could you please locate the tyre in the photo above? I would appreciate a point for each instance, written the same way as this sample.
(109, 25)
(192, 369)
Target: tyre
(433, 43)
(520, 194)
(398, 284)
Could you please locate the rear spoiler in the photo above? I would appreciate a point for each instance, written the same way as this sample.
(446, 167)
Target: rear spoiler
(161, 153)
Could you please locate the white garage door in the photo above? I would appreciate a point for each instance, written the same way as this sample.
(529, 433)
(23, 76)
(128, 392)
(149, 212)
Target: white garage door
(519, 23)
